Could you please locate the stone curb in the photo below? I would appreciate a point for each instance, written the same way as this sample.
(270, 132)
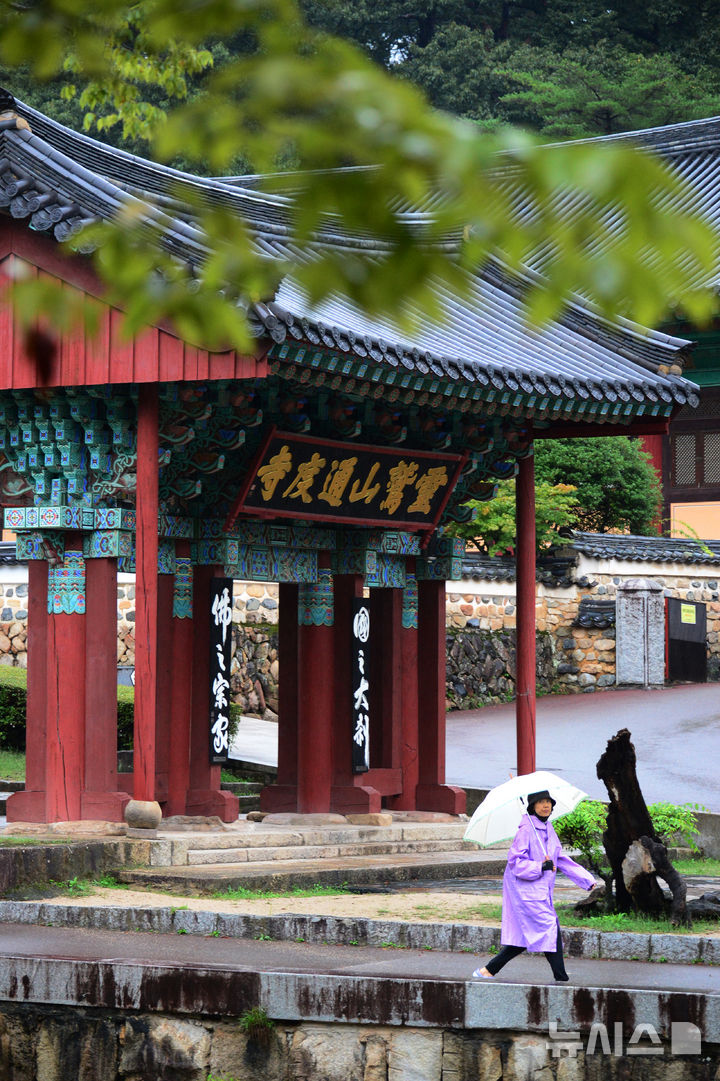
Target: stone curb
(350, 931)
(216, 991)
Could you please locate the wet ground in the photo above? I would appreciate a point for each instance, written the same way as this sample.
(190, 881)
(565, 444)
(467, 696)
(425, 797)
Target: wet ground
(675, 730)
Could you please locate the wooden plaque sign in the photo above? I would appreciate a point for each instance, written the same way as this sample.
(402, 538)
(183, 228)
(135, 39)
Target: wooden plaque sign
(297, 476)
(220, 642)
(360, 685)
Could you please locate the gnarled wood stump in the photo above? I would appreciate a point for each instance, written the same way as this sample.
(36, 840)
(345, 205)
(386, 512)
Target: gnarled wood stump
(635, 853)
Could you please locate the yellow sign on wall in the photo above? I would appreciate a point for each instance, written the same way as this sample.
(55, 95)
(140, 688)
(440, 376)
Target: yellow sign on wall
(687, 613)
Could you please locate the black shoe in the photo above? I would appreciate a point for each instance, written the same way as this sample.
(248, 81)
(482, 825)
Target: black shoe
(562, 979)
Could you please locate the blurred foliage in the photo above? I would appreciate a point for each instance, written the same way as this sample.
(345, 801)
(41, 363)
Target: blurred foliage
(492, 527)
(286, 93)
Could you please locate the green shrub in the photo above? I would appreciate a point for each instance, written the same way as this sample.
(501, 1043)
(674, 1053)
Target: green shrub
(676, 824)
(583, 830)
(13, 693)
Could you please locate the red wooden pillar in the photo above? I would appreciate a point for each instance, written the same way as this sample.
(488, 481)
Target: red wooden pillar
(165, 678)
(432, 792)
(101, 798)
(407, 647)
(30, 805)
(385, 622)
(351, 793)
(282, 796)
(180, 690)
(653, 447)
(525, 614)
(316, 693)
(65, 732)
(204, 795)
(146, 600)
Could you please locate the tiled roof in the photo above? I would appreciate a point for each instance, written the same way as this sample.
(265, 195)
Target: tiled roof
(647, 549)
(556, 567)
(553, 569)
(579, 366)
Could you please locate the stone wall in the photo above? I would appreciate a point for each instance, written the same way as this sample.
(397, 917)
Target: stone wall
(481, 666)
(55, 1043)
(584, 657)
(13, 623)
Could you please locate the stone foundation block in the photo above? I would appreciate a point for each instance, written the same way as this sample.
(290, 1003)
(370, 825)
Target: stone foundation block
(683, 950)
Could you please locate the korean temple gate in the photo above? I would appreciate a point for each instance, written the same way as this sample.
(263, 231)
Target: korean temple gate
(328, 461)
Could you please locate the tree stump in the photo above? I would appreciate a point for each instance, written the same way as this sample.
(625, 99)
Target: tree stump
(628, 820)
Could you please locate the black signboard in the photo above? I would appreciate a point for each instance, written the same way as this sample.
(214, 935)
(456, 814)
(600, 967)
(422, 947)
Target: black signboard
(360, 686)
(298, 476)
(686, 641)
(221, 593)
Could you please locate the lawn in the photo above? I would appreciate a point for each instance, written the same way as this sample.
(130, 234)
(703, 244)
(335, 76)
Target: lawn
(12, 766)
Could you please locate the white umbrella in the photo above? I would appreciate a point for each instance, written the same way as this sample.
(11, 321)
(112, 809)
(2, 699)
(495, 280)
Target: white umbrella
(498, 816)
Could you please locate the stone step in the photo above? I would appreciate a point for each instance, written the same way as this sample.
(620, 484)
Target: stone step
(208, 856)
(251, 842)
(258, 835)
(284, 874)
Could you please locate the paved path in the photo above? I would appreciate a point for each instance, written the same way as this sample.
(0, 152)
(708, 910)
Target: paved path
(676, 732)
(248, 955)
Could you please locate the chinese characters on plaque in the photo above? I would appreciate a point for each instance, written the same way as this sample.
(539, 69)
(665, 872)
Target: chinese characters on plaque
(299, 476)
(220, 643)
(360, 687)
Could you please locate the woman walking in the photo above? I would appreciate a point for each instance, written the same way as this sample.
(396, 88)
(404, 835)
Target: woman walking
(529, 921)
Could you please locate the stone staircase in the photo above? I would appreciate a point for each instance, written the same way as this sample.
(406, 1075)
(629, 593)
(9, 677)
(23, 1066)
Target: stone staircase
(264, 856)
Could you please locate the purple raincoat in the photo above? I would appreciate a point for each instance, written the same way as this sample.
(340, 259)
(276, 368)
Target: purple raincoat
(528, 915)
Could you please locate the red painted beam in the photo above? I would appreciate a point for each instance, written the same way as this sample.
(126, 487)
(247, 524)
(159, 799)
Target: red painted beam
(525, 615)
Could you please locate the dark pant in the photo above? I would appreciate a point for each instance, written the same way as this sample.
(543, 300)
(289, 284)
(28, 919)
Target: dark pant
(557, 963)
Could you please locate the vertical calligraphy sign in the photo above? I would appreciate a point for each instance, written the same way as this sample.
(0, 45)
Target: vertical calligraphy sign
(360, 686)
(220, 643)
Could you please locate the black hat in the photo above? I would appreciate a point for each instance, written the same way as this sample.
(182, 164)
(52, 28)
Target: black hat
(535, 797)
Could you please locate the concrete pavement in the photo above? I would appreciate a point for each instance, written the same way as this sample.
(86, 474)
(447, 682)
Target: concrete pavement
(676, 732)
(299, 981)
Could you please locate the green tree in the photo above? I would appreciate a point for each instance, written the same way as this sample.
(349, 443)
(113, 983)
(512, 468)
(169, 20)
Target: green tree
(603, 90)
(492, 527)
(617, 487)
(637, 66)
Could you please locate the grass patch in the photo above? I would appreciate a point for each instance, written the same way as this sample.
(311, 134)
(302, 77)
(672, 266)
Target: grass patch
(441, 913)
(241, 893)
(37, 842)
(697, 867)
(12, 765)
(624, 921)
